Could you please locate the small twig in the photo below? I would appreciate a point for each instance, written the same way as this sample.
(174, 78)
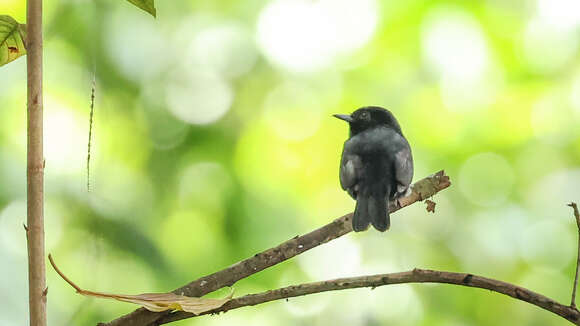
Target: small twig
(424, 188)
(577, 216)
(77, 288)
(373, 281)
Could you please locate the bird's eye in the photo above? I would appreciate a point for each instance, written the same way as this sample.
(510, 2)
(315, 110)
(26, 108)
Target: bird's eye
(365, 115)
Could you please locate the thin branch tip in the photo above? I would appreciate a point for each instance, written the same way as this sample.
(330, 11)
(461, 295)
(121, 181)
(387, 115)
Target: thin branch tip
(61, 274)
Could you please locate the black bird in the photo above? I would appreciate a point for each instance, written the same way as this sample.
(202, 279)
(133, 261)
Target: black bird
(376, 165)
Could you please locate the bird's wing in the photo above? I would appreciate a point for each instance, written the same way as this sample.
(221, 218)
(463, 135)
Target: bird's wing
(403, 168)
(350, 169)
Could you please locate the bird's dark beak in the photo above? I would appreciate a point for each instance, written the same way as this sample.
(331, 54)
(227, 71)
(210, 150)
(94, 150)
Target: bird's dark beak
(345, 117)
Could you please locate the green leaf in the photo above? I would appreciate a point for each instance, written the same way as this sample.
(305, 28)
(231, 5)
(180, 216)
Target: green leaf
(147, 5)
(12, 39)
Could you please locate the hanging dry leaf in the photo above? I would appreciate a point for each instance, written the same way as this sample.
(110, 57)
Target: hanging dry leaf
(430, 206)
(154, 301)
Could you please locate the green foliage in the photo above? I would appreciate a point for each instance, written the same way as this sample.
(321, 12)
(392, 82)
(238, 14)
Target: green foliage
(488, 91)
(12, 39)
(147, 5)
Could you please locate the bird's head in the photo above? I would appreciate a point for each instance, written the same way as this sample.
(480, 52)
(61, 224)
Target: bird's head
(369, 117)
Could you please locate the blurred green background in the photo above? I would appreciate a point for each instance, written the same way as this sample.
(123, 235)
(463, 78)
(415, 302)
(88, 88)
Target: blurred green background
(213, 140)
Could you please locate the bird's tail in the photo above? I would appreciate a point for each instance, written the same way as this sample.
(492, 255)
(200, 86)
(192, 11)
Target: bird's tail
(360, 218)
(371, 208)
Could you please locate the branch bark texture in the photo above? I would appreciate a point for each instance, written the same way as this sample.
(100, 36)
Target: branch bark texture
(422, 189)
(35, 167)
(415, 276)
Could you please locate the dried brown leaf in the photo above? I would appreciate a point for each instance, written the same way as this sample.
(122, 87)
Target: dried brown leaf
(154, 301)
(430, 206)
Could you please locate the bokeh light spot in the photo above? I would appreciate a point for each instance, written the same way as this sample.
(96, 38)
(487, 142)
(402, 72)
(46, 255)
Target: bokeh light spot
(11, 232)
(546, 48)
(455, 48)
(342, 259)
(486, 179)
(146, 54)
(292, 111)
(549, 194)
(302, 35)
(547, 244)
(13, 215)
(227, 49)
(498, 239)
(66, 137)
(204, 186)
(453, 44)
(466, 95)
(191, 233)
(562, 14)
(549, 120)
(164, 129)
(198, 98)
(545, 280)
(575, 95)
(121, 192)
(402, 303)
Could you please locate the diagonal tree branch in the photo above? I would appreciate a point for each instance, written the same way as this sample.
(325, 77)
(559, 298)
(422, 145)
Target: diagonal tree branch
(415, 276)
(422, 189)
